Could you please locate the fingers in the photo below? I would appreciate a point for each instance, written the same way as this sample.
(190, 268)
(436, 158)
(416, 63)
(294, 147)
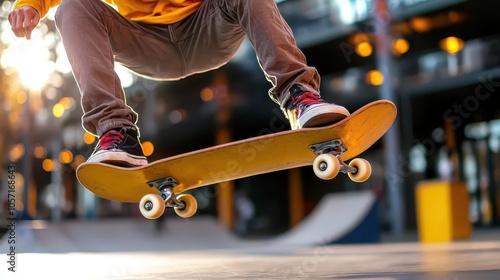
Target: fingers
(23, 20)
(30, 23)
(13, 23)
(19, 25)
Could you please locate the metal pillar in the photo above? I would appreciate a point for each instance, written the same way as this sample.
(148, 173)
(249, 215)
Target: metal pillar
(56, 183)
(26, 140)
(391, 139)
(225, 197)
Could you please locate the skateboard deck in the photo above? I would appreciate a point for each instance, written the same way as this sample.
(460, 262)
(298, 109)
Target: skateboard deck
(172, 176)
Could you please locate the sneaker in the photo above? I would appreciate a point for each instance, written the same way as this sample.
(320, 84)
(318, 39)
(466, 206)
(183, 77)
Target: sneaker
(119, 147)
(305, 109)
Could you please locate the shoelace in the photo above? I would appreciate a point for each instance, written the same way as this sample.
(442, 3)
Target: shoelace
(307, 98)
(111, 139)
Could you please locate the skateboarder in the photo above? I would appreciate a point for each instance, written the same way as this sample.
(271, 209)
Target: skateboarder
(170, 40)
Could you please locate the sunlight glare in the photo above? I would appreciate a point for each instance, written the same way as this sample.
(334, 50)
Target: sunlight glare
(62, 62)
(126, 77)
(31, 59)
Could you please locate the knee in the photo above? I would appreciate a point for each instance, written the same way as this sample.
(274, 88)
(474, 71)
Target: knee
(65, 10)
(68, 9)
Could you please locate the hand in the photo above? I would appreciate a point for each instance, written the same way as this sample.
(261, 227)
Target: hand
(23, 20)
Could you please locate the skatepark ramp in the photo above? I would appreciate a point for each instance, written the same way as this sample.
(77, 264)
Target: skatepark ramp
(349, 217)
(117, 235)
(338, 218)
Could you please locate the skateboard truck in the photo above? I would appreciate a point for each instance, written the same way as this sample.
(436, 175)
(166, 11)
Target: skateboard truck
(152, 206)
(166, 188)
(329, 163)
(328, 147)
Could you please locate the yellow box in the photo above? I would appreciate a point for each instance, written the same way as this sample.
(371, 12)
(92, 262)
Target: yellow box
(442, 211)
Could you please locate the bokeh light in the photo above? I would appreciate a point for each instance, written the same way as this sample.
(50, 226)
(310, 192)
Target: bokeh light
(148, 148)
(452, 45)
(400, 46)
(48, 165)
(16, 152)
(88, 138)
(39, 152)
(207, 94)
(65, 156)
(364, 49)
(374, 78)
(58, 110)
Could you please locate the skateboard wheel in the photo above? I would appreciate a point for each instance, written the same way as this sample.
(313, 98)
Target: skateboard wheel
(152, 206)
(190, 206)
(364, 170)
(326, 166)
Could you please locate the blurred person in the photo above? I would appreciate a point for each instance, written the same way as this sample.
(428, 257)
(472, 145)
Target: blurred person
(170, 40)
(245, 210)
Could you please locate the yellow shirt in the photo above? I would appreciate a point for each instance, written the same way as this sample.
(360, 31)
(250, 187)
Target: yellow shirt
(147, 11)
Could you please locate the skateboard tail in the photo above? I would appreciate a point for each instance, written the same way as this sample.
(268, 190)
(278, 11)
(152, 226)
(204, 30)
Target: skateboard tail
(379, 117)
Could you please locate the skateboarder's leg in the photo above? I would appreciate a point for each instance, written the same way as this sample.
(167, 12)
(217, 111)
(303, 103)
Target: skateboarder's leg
(295, 84)
(221, 25)
(94, 34)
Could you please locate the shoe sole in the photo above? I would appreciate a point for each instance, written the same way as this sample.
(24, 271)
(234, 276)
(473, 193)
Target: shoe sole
(322, 115)
(118, 158)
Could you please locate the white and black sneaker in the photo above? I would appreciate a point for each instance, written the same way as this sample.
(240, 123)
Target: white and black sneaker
(119, 147)
(305, 109)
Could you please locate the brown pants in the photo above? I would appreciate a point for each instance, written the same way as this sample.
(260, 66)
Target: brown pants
(94, 35)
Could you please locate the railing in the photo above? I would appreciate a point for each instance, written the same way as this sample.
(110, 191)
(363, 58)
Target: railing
(314, 21)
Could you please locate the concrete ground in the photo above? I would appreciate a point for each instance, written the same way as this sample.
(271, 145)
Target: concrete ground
(201, 249)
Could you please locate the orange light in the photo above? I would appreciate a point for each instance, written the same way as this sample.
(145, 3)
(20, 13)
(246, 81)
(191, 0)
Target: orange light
(58, 110)
(17, 152)
(364, 49)
(148, 148)
(67, 102)
(21, 97)
(88, 138)
(374, 78)
(48, 165)
(65, 156)
(39, 152)
(421, 24)
(452, 45)
(400, 46)
(207, 94)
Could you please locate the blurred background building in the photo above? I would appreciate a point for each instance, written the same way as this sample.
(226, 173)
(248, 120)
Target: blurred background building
(438, 60)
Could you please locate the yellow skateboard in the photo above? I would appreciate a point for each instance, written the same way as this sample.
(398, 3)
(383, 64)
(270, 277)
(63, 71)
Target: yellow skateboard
(162, 183)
